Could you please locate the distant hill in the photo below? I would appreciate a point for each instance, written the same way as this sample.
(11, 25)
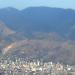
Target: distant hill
(38, 32)
(42, 19)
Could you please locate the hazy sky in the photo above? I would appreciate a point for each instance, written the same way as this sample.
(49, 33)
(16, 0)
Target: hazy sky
(21, 4)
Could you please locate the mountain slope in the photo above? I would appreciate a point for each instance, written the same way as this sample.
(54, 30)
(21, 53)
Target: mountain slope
(4, 30)
(48, 50)
(40, 19)
(38, 32)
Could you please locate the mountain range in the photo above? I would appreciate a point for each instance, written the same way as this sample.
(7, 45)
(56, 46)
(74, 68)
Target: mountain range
(42, 19)
(38, 32)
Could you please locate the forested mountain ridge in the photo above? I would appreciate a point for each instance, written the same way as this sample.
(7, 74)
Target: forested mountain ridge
(43, 19)
(38, 32)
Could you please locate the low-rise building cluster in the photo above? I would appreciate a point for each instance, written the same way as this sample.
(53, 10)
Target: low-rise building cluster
(36, 67)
